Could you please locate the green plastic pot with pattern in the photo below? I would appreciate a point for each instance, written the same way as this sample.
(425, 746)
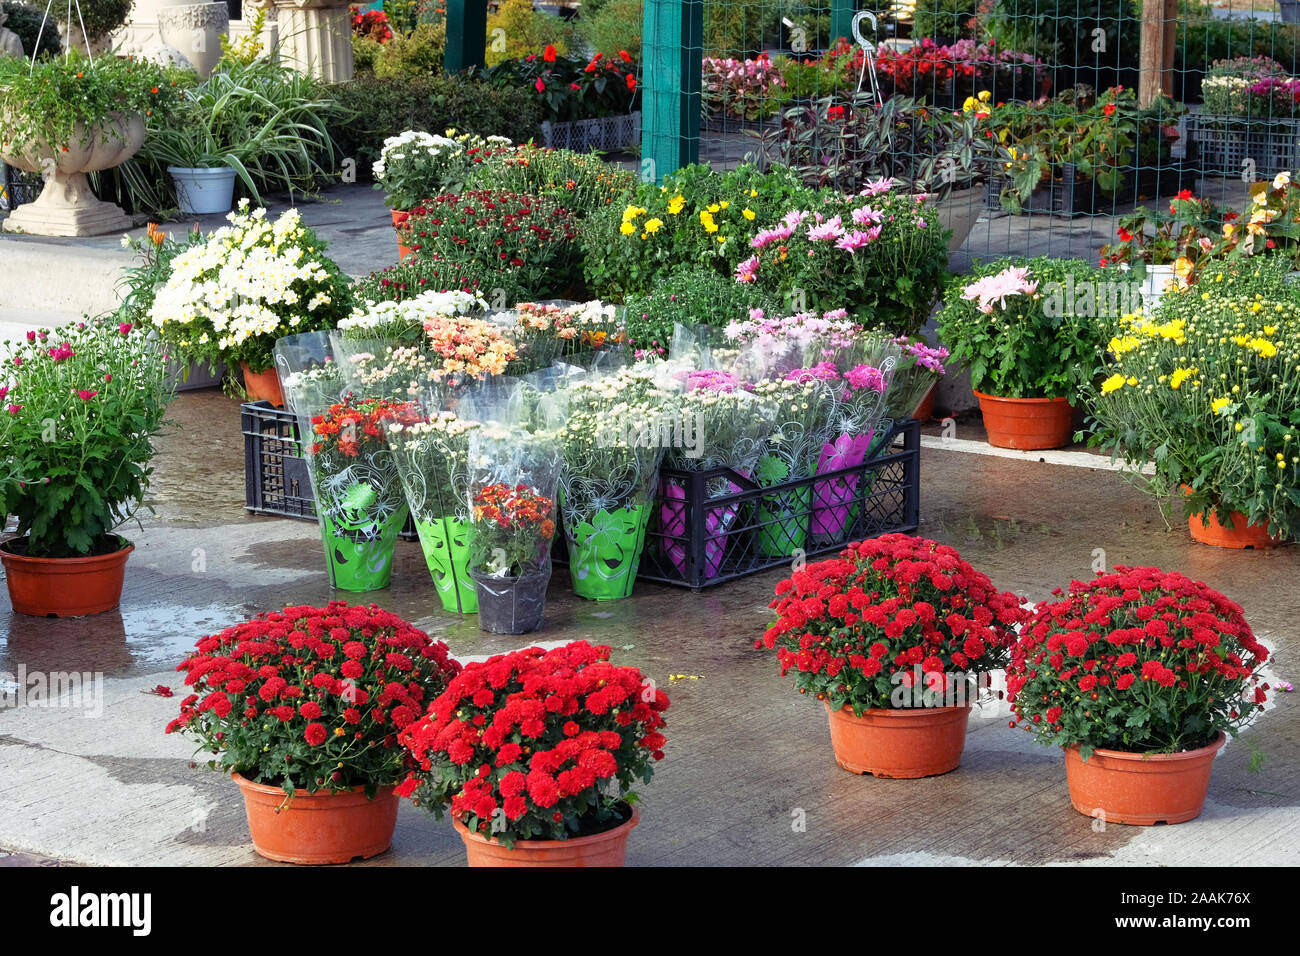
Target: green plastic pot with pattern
(605, 552)
(446, 551)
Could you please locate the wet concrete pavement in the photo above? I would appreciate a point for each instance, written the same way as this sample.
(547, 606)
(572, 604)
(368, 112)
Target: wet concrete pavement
(747, 757)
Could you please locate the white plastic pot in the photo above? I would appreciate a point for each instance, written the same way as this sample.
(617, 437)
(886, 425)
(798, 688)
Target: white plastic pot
(202, 192)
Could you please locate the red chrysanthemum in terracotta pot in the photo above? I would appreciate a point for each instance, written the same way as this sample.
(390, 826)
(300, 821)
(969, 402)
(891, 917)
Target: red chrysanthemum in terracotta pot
(1137, 675)
(897, 637)
(303, 707)
(535, 753)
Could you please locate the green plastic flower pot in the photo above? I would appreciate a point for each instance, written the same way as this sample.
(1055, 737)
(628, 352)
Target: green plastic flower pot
(446, 551)
(604, 554)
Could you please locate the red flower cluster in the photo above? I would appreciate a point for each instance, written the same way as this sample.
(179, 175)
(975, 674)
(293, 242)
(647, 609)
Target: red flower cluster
(514, 507)
(371, 23)
(855, 627)
(311, 697)
(922, 67)
(1139, 660)
(526, 745)
(351, 427)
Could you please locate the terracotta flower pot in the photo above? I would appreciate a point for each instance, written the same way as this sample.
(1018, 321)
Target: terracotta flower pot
(600, 849)
(924, 410)
(900, 744)
(1206, 529)
(322, 827)
(262, 386)
(1141, 789)
(1028, 424)
(64, 587)
(399, 220)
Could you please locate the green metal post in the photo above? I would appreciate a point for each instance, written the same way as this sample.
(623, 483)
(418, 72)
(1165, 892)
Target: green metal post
(842, 19)
(672, 48)
(466, 34)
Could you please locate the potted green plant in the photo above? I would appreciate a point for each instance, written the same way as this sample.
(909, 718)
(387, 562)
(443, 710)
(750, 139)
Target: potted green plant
(1137, 675)
(302, 708)
(892, 637)
(1027, 331)
(78, 407)
(212, 311)
(1206, 393)
(535, 753)
(64, 118)
(1164, 249)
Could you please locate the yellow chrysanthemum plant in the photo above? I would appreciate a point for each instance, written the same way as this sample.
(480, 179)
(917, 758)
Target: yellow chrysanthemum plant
(1207, 391)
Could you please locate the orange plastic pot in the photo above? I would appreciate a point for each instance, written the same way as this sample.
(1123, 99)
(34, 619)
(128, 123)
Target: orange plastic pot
(318, 828)
(263, 386)
(1028, 424)
(900, 744)
(64, 587)
(600, 849)
(925, 408)
(1206, 529)
(399, 221)
(1141, 789)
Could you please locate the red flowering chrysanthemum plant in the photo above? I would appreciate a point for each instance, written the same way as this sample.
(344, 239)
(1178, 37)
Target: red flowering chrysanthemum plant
(892, 622)
(1139, 660)
(312, 698)
(538, 745)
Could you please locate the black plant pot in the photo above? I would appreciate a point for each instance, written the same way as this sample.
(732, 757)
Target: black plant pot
(511, 605)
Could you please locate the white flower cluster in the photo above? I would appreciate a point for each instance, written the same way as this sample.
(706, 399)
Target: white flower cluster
(413, 144)
(410, 313)
(241, 280)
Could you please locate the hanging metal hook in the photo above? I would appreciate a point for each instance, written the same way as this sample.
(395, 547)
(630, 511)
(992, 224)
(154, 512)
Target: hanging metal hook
(868, 53)
(67, 53)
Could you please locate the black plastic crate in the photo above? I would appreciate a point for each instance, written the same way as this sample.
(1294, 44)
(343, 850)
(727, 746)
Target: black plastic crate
(275, 472)
(1221, 145)
(695, 541)
(1071, 195)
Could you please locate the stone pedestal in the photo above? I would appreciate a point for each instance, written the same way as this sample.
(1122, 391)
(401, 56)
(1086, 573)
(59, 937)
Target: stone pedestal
(315, 36)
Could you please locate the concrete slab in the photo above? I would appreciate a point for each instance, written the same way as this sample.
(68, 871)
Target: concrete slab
(745, 753)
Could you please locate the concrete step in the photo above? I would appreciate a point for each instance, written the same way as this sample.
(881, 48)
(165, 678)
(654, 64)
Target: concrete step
(61, 275)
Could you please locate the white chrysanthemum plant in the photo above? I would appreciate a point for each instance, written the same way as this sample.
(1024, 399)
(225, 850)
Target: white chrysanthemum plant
(405, 320)
(414, 166)
(232, 296)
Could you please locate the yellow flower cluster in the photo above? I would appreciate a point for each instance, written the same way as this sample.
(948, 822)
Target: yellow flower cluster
(708, 216)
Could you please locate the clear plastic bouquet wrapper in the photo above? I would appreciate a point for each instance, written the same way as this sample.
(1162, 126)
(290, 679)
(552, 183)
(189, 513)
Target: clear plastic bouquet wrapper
(557, 328)
(513, 478)
(359, 499)
(770, 346)
(613, 433)
(919, 368)
(726, 426)
(807, 408)
(435, 341)
(432, 456)
(862, 373)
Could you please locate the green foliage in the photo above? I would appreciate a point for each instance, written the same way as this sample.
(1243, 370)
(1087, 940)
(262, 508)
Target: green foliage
(412, 276)
(612, 25)
(1061, 31)
(267, 122)
(740, 29)
(379, 108)
(1041, 345)
(80, 406)
(24, 19)
(100, 17)
(525, 31)
(419, 53)
(572, 88)
(582, 183)
(45, 105)
(692, 295)
(944, 19)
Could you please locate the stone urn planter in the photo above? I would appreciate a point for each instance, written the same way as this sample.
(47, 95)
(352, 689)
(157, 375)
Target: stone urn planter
(195, 30)
(67, 206)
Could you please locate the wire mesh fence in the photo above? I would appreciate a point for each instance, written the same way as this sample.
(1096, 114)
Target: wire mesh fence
(1074, 141)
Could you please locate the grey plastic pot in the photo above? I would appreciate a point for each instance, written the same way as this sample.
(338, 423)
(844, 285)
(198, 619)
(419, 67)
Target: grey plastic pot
(203, 192)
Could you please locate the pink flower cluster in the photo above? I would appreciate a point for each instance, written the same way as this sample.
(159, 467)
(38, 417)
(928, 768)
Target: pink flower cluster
(993, 290)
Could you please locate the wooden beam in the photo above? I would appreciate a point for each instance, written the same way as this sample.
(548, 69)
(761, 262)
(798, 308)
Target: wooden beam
(1156, 65)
